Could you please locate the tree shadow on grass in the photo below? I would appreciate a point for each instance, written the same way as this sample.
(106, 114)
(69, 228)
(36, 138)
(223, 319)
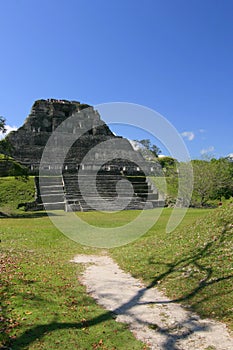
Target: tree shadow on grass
(194, 260)
(171, 335)
(38, 332)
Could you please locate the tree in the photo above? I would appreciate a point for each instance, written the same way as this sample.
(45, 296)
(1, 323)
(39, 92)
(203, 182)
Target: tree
(5, 145)
(5, 148)
(223, 179)
(212, 180)
(155, 150)
(146, 143)
(11, 166)
(169, 165)
(152, 148)
(203, 181)
(2, 124)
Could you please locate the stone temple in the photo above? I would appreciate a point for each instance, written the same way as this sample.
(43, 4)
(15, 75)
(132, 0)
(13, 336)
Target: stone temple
(78, 163)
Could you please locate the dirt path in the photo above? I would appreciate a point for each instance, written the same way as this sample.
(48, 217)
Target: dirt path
(152, 318)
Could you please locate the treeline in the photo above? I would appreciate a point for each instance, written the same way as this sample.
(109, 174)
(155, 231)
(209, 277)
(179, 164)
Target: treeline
(212, 180)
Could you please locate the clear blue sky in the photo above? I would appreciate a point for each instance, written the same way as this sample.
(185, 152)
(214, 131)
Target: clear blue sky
(174, 56)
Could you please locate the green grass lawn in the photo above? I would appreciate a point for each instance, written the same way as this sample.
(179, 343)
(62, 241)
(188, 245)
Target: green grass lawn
(45, 306)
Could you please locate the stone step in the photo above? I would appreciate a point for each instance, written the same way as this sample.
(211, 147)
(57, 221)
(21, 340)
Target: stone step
(55, 206)
(136, 179)
(158, 203)
(51, 198)
(133, 205)
(148, 196)
(152, 196)
(106, 196)
(103, 184)
(52, 187)
(111, 205)
(51, 190)
(50, 180)
(104, 180)
(52, 194)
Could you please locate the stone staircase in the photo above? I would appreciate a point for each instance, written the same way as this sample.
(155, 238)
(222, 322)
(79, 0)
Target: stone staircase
(146, 190)
(50, 193)
(85, 192)
(109, 192)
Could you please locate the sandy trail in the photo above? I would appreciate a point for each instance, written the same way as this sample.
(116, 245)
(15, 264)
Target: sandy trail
(155, 320)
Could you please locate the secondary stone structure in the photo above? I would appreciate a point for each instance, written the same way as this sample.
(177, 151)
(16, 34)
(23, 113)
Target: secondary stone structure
(69, 144)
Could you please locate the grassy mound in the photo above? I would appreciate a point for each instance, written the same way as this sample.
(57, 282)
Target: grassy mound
(10, 167)
(14, 191)
(194, 264)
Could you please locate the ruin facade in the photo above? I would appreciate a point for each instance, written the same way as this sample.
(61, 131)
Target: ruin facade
(86, 128)
(28, 141)
(79, 143)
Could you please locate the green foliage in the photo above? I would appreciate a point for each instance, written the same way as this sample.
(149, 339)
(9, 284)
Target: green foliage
(203, 181)
(212, 180)
(223, 179)
(167, 162)
(6, 147)
(14, 191)
(146, 143)
(170, 168)
(9, 167)
(3, 157)
(152, 148)
(2, 124)
(168, 187)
